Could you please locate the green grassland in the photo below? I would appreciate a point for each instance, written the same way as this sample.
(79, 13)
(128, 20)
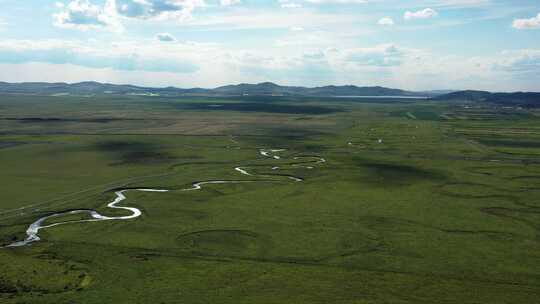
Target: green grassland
(444, 209)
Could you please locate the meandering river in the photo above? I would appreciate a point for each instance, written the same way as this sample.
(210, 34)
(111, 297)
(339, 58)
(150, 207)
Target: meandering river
(33, 230)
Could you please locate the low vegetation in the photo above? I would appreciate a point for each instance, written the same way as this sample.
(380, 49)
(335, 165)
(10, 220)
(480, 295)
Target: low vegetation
(418, 201)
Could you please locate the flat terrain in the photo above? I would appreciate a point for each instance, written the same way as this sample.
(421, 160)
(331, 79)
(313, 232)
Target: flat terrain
(417, 202)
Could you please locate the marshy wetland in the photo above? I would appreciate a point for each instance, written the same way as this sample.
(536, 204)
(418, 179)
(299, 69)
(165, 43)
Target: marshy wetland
(302, 201)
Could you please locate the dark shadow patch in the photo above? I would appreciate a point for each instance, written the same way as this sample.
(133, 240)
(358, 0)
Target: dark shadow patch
(259, 107)
(512, 143)
(9, 144)
(292, 139)
(59, 120)
(397, 174)
(123, 146)
(133, 152)
(313, 148)
(292, 134)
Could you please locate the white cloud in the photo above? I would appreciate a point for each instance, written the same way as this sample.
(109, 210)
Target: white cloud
(291, 5)
(123, 56)
(525, 60)
(460, 3)
(194, 64)
(165, 37)
(203, 61)
(382, 56)
(59, 4)
(386, 21)
(230, 2)
(157, 9)
(36, 71)
(531, 23)
(243, 18)
(422, 14)
(83, 15)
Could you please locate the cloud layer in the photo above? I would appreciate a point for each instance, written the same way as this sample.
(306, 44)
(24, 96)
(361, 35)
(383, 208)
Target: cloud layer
(530, 23)
(298, 42)
(165, 37)
(85, 15)
(82, 14)
(385, 21)
(422, 14)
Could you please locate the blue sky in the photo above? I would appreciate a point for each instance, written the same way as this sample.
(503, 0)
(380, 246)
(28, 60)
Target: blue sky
(411, 44)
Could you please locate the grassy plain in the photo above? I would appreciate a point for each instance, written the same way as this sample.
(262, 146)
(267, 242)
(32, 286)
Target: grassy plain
(444, 209)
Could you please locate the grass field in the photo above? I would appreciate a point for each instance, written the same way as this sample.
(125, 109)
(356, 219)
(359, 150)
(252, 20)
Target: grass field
(417, 202)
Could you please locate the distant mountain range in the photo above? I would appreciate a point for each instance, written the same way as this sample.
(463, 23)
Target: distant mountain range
(268, 88)
(526, 99)
(523, 99)
(265, 88)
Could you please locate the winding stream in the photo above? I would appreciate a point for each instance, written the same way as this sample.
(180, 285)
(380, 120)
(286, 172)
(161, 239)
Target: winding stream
(35, 227)
(33, 230)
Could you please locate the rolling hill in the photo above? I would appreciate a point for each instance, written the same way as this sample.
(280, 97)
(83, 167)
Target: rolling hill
(265, 88)
(523, 99)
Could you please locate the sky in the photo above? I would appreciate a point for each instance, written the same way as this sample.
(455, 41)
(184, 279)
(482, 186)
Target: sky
(409, 44)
